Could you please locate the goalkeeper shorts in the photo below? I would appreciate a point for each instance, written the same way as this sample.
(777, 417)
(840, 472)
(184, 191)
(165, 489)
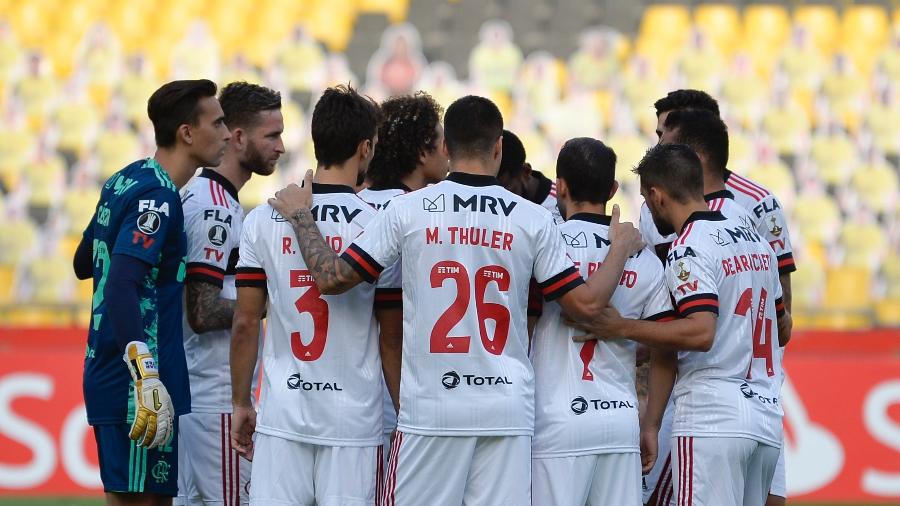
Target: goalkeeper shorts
(126, 467)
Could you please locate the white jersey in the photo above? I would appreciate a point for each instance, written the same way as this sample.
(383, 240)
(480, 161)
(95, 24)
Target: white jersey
(584, 392)
(213, 218)
(468, 249)
(380, 198)
(322, 374)
(768, 215)
(723, 266)
(722, 201)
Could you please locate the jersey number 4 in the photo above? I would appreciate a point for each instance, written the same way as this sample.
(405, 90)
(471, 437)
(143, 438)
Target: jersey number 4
(441, 340)
(312, 303)
(762, 341)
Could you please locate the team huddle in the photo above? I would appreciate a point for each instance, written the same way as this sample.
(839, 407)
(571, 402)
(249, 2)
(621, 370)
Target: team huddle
(427, 320)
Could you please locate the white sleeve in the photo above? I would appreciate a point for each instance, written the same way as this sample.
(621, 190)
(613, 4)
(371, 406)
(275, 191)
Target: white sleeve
(210, 241)
(553, 269)
(250, 270)
(377, 247)
(658, 305)
(691, 280)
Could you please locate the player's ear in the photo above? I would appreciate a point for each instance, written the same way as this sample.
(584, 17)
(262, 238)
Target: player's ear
(184, 133)
(612, 191)
(562, 189)
(362, 149)
(498, 148)
(239, 138)
(526, 170)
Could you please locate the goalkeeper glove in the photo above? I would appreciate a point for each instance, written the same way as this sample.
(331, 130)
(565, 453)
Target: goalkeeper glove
(153, 418)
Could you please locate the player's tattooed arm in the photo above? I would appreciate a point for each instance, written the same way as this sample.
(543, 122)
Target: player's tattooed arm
(206, 309)
(332, 274)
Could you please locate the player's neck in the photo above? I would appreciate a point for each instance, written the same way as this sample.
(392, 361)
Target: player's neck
(415, 180)
(573, 208)
(337, 174)
(712, 182)
(180, 167)
(472, 166)
(681, 213)
(231, 170)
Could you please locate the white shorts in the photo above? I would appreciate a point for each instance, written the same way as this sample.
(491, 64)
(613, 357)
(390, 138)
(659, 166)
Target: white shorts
(454, 470)
(593, 480)
(779, 480)
(209, 470)
(658, 484)
(722, 471)
(301, 474)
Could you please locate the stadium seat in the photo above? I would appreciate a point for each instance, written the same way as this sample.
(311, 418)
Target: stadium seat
(835, 157)
(807, 284)
(848, 299)
(877, 187)
(49, 278)
(395, 10)
(767, 24)
(17, 237)
(822, 22)
(887, 312)
(817, 217)
(890, 275)
(7, 280)
(864, 245)
(774, 176)
(721, 22)
(864, 32)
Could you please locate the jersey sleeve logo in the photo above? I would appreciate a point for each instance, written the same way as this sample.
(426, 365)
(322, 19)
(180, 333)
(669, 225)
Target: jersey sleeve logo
(435, 205)
(217, 235)
(684, 272)
(775, 228)
(148, 222)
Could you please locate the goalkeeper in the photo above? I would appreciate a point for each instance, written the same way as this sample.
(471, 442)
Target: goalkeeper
(135, 377)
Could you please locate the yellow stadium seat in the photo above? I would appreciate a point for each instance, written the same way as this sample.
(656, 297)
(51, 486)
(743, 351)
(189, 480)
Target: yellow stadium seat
(890, 274)
(864, 245)
(16, 238)
(807, 286)
(817, 217)
(865, 30)
(50, 278)
(768, 24)
(878, 187)
(332, 23)
(887, 312)
(721, 22)
(848, 288)
(822, 22)
(7, 283)
(395, 10)
(835, 157)
(663, 31)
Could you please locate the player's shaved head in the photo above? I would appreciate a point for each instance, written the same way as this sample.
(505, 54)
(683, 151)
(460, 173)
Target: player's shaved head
(177, 103)
(673, 168)
(704, 132)
(589, 169)
(686, 99)
(472, 126)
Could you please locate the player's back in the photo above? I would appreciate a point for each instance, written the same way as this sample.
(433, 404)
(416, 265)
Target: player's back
(723, 201)
(722, 265)
(213, 218)
(380, 198)
(584, 392)
(139, 214)
(321, 379)
(468, 249)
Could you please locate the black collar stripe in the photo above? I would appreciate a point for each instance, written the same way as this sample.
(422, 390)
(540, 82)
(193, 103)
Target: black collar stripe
(702, 216)
(472, 179)
(721, 194)
(320, 188)
(599, 219)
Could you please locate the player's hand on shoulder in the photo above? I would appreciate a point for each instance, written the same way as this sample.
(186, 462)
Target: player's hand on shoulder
(624, 234)
(243, 425)
(154, 417)
(293, 198)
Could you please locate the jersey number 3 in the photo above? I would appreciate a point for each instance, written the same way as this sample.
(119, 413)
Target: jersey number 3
(312, 303)
(441, 340)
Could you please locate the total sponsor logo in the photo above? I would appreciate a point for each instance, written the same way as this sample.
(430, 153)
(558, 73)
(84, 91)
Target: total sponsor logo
(580, 405)
(296, 382)
(452, 379)
(749, 393)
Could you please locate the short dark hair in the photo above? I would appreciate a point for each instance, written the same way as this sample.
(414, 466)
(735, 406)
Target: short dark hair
(512, 164)
(589, 169)
(242, 102)
(407, 133)
(674, 168)
(341, 120)
(175, 104)
(471, 127)
(686, 99)
(704, 132)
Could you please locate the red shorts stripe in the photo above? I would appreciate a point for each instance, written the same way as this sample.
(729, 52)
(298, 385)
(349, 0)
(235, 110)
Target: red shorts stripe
(665, 476)
(690, 471)
(224, 446)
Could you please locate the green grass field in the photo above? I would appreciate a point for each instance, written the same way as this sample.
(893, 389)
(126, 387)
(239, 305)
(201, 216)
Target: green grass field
(99, 502)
